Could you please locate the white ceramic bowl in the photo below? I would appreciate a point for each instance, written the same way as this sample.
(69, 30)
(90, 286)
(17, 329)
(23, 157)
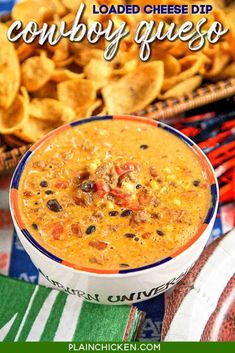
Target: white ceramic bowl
(126, 286)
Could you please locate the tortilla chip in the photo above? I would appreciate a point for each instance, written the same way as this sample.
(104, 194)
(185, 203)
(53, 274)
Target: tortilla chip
(123, 69)
(210, 50)
(221, 59)
(87, 110)
(172, 66)
(184, 87)
(68, 18)
(49, 90)
(63, 80)
(60, 50)
(178, 48)
(64, 75)
(36, 72)
(15, 116)
(98, 71)
(190, 65)
(228, 72)
(219, 3)
(9, 70)
(51, 110)
(24, 51)
(83, 53)
(135, 90)
(76, 93)
(72, 4)
(57, 6)
(36, 10)
(65, 62)
(33, 130)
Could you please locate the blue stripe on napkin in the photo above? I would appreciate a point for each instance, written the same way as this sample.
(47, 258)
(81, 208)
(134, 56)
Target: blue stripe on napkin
(154, 309)
(21, 267)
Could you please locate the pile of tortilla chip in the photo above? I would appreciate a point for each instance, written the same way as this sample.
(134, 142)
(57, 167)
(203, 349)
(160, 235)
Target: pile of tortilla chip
(42, 87)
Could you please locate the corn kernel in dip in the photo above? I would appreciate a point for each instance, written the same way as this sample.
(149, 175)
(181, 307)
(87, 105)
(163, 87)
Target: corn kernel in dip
(113, 194)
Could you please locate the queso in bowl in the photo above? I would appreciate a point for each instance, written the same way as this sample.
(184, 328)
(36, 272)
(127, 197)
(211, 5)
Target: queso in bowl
(114, 209)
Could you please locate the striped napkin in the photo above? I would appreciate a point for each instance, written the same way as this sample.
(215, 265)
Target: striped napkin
(37, 313)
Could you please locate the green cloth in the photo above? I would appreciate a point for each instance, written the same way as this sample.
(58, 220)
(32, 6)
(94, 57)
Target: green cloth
(31, 312)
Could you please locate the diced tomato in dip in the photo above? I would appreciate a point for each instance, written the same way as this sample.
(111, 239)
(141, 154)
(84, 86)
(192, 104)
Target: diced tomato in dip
(113, 194)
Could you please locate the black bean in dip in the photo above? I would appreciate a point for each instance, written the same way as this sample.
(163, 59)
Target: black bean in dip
(113, 213)
(126, 213)
(44, 184)
(91, 229)
(144, 147)
(160, 232)
(129, 235)
(54, 205)
(35, 226)
(138, 186)
(87, 186)
(49, 192)
(196, 183)
(124, 265)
